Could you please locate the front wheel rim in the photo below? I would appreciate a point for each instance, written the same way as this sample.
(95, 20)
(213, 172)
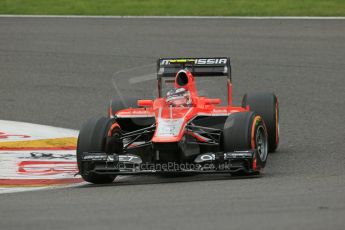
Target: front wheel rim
(261, 143)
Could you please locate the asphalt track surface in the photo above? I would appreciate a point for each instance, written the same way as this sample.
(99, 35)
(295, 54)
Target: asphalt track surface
(59, 71)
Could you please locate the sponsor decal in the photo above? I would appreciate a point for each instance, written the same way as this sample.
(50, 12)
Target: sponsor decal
(168, 127)
(207, 157)
(128, 158)
(95, 157)
(220, 111)
(210, 61)
(198, 61)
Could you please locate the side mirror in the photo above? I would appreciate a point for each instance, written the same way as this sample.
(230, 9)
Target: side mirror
(145, 103)
(209, 101)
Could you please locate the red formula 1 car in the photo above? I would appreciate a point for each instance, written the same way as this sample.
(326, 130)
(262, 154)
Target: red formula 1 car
(182, 130)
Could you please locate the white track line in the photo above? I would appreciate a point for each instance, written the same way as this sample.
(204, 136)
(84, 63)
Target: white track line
(177, 17)
(36, 131)
(50, 187)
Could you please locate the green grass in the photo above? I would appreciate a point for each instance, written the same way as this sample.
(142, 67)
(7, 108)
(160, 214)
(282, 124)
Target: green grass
(176, 7)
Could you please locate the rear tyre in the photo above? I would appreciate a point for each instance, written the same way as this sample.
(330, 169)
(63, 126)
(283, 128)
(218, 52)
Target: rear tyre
(117, 104)
(92, 138)
(245, 131)
(266, 105)
(130, 102)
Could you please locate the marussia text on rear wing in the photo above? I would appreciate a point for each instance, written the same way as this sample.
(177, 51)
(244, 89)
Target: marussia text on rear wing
(216, 66)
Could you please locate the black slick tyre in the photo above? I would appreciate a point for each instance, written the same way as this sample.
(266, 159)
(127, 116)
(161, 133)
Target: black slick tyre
(246, 131)
(266, 105)
(116, 105)
(92, 138)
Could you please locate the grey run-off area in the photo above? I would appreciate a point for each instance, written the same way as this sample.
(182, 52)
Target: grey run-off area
(58, 71)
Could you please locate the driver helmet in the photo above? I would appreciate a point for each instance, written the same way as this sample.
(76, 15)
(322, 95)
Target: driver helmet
(179, 97)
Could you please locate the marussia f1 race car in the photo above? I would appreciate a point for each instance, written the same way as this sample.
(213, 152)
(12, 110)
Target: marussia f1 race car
(181, 130)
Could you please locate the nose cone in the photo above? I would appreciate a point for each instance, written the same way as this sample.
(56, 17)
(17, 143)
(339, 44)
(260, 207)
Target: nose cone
(170, 123)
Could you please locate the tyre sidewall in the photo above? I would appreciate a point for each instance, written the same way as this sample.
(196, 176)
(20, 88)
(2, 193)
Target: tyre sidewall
(266, 105)
(239, 132)
(92, 138)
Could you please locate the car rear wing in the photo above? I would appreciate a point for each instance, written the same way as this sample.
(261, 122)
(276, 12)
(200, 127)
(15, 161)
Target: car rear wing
(215, 66)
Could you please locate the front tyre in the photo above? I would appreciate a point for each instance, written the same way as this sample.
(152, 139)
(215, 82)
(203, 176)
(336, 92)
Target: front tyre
(92, 138)
(245, 131)
(266, 105)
